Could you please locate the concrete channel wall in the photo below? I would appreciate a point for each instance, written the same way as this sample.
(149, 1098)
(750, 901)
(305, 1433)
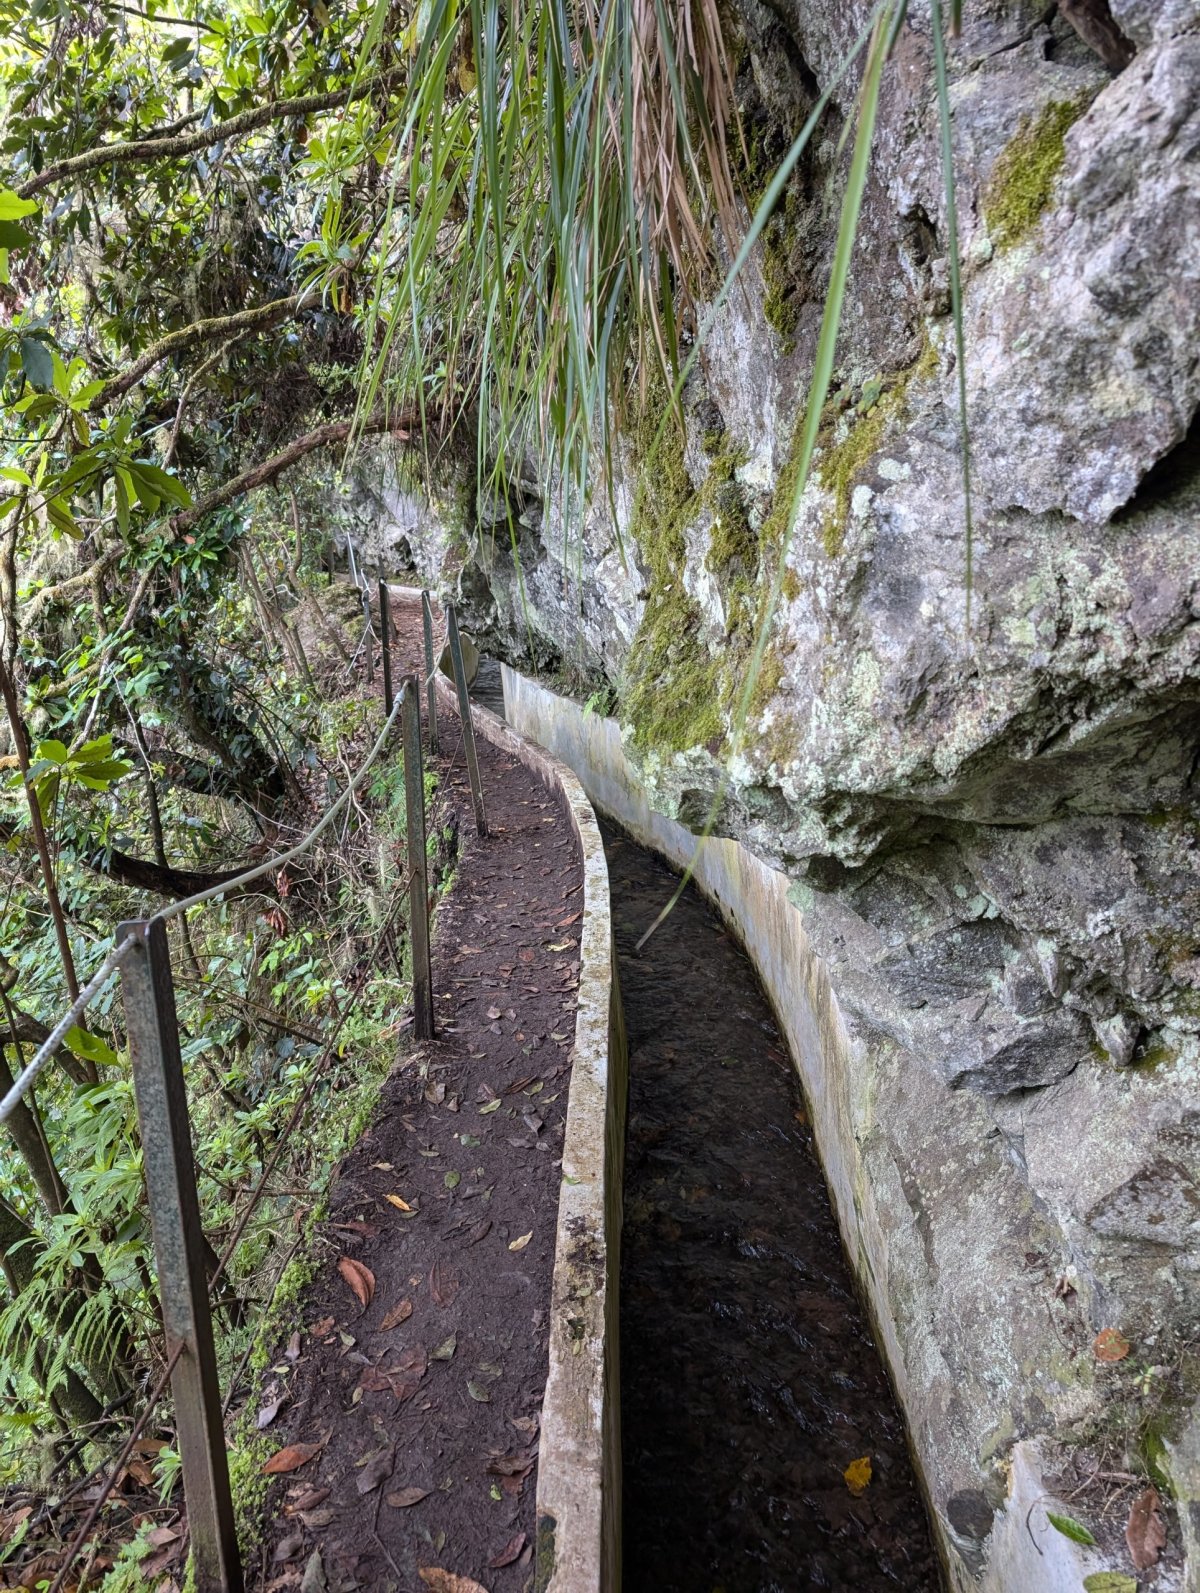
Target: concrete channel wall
(579, 1462)
(753, 899)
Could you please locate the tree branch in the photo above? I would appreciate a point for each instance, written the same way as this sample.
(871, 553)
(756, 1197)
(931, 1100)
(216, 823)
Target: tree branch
(214, 326)
(177, 145)
(334, 431)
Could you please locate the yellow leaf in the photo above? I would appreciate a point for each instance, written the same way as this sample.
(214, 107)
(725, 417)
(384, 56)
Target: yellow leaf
(401, 1205)
(858, 1474)
(519, 1244)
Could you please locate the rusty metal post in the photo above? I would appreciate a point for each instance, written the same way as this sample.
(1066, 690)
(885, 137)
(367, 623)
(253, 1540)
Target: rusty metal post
(431, 693)
(385, 627)
(150, 1021)
(418, 889)
(468, 729)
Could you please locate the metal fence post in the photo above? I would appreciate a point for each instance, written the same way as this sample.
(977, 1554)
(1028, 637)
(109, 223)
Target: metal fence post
(385, 626)
(149, 999)
(431, 693)
(464, 709)
(418, 889)
(368, 638)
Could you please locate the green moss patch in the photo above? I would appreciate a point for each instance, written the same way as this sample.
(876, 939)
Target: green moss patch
(1021, 184)
(671, 697)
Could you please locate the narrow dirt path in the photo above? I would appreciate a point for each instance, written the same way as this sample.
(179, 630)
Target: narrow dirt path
(762, 1448)
(425, 1400)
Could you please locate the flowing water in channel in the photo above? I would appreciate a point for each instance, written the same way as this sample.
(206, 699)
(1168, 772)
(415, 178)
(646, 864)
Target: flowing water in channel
(749, 1379)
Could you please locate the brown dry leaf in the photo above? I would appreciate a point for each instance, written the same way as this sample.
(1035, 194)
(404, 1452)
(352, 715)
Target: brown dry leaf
(291, 1458)
(360, 1279)
(377, 1469)
(443, 1284)
(519, 1244)
(404, 1497)
(320, 1328)
(269, 1412)
(1110, 1345)
(400, 1312)
(508, 1553)
(402, 1379)
(400, 1205)
(1146, 1532)
(305, 1499)
(316, 1519)
(446, 1581)
(369, 1230)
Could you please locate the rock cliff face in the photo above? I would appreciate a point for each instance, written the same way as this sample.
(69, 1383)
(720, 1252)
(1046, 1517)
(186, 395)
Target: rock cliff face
(991, 821)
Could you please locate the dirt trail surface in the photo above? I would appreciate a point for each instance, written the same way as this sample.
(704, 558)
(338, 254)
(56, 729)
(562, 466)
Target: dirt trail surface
(753, 1398)
(424, 1401)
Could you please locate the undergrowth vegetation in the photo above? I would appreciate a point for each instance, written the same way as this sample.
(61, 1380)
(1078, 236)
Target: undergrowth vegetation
(291, 996)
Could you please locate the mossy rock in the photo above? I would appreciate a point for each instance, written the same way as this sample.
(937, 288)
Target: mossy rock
(1022, 180)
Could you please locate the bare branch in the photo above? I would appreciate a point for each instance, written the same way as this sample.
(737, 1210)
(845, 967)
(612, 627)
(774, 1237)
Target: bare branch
(215, 326)
(335, 431)
(178, 145)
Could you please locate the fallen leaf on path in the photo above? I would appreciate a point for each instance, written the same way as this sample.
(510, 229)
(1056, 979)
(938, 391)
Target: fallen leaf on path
(289, 1546)
(402, 1380)
(1109, 1345)
(369, 1230)
(490, 1106)
(360, 1279)
(400, 1205)
(509, 1553)
(1070, 1528)
(291, 1458)
(269, 1412)
(374, 1470)
(313, 1580)
(446, 1581)
(479, 1231)
(858, 1474)
(321, 1327)
(519, 1244)
(494, 1012)
(478, 1392)
(404, 1497)
(443, 1284)
(445, 1350)
(315, 1519)
(305, 1499)
(400, 1312)
(1146, 1532)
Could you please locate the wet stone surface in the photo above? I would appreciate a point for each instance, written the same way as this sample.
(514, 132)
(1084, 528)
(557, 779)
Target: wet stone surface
(750, 1381)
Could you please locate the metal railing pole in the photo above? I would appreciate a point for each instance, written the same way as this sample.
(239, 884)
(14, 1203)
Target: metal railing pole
(149, 1000)
(368, 638)
(464, 709)
(418, 889)
(385, 626)
(431, 694)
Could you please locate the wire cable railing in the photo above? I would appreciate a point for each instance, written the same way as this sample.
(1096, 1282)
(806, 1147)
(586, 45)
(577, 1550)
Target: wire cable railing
(141, 958)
